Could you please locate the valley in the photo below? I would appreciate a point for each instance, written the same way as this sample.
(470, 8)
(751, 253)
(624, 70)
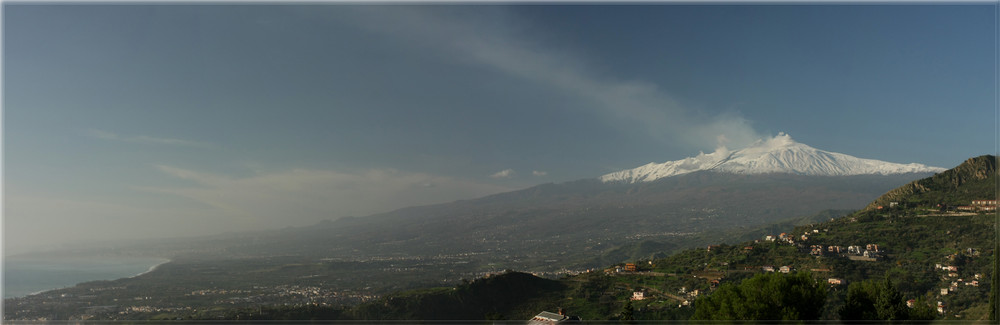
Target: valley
(570, 232)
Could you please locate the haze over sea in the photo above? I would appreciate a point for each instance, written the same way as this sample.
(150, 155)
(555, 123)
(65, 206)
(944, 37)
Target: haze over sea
(24, 275)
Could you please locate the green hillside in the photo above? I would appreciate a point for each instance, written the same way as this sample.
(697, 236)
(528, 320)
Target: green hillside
(975, 179)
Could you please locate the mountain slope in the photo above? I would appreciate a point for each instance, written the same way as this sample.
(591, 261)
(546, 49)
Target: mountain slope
(958, 186)
(913, 248)
(780, 154)
(572, 222)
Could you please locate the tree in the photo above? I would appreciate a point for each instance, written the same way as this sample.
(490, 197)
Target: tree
(890, 303)
(796, 296)
(922, 310)
(874, 300)
(860, 302)
(628, 313)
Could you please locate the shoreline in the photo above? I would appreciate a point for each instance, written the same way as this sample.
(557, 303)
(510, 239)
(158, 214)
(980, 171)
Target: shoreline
(150, 269)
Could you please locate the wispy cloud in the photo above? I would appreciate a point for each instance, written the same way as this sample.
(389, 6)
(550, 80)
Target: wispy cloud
(302, 196)
(506, 173)
(101, 134)
(505, 44)
(539, 173)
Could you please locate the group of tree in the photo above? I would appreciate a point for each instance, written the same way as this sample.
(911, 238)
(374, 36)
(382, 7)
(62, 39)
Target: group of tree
(879, 300)
(776, 296)
(768, 296)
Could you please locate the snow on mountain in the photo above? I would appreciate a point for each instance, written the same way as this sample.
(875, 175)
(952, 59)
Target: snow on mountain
(779, 154)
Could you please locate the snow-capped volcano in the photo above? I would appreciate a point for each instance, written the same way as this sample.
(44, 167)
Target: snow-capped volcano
(779, 154)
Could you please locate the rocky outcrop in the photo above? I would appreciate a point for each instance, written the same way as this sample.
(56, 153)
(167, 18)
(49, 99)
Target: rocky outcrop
(972, 170)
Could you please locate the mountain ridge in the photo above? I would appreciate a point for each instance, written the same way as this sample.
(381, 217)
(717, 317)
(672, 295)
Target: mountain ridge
(780, 154)
(965, 181)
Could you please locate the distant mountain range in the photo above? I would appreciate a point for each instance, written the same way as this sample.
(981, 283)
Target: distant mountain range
(593, 222)
(585, 223)
(780, 154)
(575, 225)
(919, 248)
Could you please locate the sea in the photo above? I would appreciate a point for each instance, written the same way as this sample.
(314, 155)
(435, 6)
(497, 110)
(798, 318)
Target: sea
(25, 275)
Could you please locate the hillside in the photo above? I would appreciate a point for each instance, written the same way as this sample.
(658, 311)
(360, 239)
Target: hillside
(972, 180)
(571, 222)
(916, 246)
(912, 246)
(560, 219)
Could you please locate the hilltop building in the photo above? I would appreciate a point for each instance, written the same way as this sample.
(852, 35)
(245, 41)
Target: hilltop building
(546, 317)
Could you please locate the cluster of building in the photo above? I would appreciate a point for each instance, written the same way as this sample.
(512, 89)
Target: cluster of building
(783, 237)
(688, 296)
(869, 252)
(790, 239)
(952, 274)
(205, 292)
(144, 309)
(783, 269)
(913, 302)
(980, 205)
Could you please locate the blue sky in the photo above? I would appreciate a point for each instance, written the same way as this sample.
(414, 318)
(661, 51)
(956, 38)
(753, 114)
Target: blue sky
(130, 121)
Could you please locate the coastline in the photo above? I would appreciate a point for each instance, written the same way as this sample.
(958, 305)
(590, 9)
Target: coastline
(60, 270)
(151, 269)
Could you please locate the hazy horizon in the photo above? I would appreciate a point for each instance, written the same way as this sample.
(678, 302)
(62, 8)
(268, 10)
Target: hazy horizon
(133, 121)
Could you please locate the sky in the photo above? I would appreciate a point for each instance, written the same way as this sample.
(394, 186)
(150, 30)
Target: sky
(130, 121)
